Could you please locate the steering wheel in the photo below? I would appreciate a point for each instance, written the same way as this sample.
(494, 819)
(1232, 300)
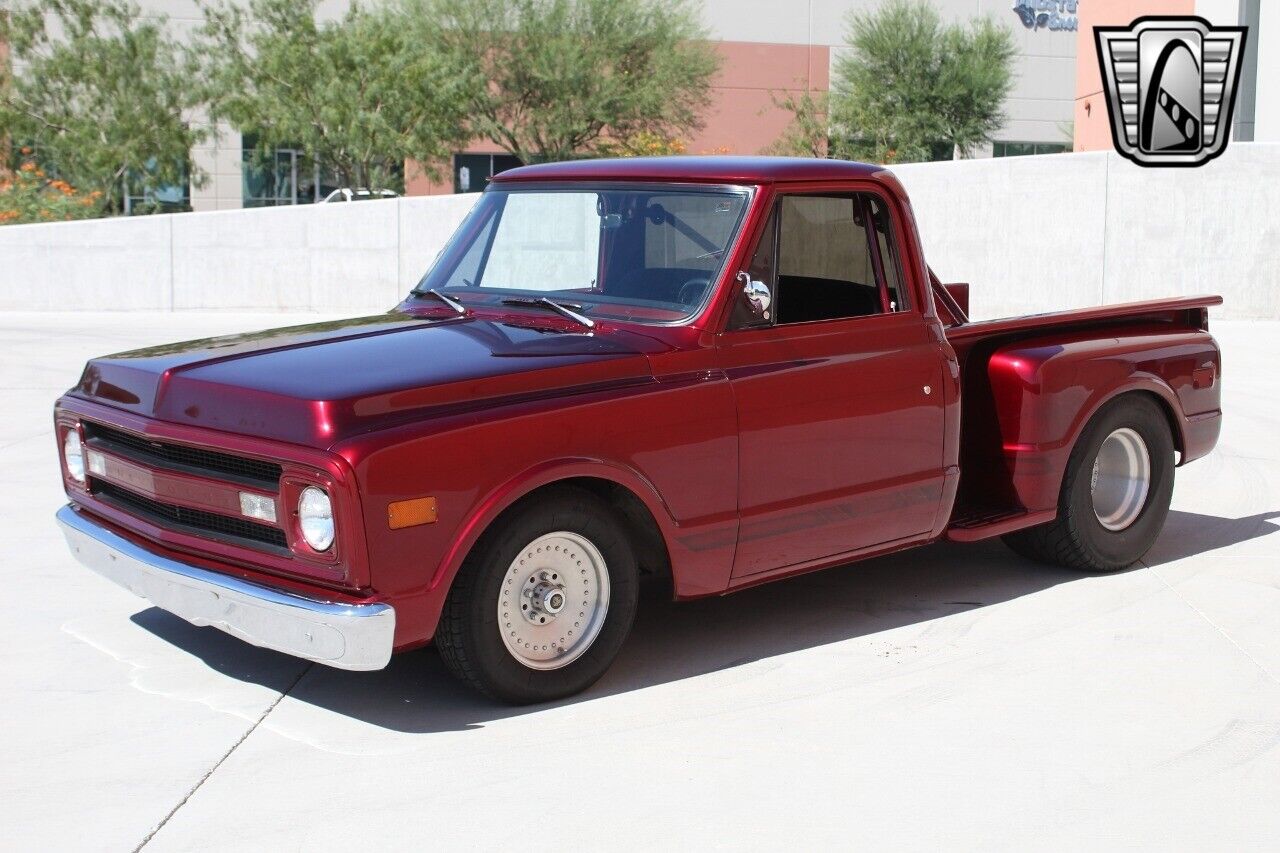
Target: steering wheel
(691, 291)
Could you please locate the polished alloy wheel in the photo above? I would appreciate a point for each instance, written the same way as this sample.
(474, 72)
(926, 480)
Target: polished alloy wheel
(553, 600)
(1121, 479)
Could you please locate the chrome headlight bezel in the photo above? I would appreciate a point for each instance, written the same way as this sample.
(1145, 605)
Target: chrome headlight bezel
(315, 519)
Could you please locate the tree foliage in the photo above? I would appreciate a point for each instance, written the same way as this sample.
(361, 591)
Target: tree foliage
(359, 95)
(103, 95)
(567, 78)
(910, 84)
(806, 134)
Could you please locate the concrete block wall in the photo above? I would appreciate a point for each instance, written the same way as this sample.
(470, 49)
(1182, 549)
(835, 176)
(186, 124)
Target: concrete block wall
(360, 258)
(1034, 234)
(120, 264)
(1031, 234)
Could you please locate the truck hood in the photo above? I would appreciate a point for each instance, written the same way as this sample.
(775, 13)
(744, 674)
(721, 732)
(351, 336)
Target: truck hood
(319, 384)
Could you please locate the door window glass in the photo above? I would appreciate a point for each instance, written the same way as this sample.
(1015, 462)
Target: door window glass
(825, 266)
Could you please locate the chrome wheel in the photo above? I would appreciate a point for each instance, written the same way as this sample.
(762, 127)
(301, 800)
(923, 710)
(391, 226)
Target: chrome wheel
(1121, 479)
(553, 600)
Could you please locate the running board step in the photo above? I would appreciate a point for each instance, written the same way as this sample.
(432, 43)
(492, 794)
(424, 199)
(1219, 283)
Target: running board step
(970, 525)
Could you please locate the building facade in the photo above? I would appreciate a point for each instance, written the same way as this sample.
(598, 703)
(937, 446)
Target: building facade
(773, 47)
(1257, 112)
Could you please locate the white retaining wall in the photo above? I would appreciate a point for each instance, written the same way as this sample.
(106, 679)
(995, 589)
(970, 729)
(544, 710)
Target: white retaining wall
(360, 257)
(1029, 233)
(1043, 233)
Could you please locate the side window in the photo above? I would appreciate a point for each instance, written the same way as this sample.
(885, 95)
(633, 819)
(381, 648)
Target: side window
(888, 248)
(826, 270)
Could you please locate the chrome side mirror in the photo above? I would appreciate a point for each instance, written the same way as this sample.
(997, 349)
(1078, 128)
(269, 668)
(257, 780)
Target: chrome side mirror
(759, 299)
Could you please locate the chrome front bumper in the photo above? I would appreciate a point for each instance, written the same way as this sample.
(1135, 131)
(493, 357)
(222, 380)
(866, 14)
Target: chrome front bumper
(346, 636)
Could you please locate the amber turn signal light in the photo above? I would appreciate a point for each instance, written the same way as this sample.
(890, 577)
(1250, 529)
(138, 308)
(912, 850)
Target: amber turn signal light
(412, 512)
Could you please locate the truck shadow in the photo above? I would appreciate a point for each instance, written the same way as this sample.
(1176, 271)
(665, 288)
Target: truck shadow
(674, 641)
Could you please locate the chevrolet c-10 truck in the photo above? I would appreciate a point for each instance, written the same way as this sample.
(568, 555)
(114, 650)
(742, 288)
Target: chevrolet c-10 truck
(714, 372)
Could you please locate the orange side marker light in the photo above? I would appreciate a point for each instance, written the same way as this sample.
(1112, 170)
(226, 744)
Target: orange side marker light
(411, 512)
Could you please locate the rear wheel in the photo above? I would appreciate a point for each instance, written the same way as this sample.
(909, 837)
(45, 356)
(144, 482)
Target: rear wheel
(1115, 493)
(544, 602)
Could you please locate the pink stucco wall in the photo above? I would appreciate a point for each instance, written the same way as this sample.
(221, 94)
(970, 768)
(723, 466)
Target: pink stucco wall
(741, 119)
(1092, 126)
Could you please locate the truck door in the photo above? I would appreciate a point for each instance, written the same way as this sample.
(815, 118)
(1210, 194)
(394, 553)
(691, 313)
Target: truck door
(838, 390)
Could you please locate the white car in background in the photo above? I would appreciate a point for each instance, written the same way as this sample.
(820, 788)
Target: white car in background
(348, 194)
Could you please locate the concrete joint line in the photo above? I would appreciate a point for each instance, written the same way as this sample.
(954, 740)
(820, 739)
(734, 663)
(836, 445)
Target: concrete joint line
(172, 286)
(1213, 624)
(1106, 204)
(225, 756)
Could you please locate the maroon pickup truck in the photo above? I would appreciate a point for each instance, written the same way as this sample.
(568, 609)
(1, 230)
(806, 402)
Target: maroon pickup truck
(712, 371)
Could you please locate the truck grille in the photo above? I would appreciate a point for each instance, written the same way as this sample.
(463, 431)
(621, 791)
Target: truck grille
(194, 520)
(182, 457)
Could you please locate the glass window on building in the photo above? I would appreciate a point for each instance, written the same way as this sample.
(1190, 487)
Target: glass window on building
(1022, 149)
(273, 178)
(287, 176)
(471, 172)
(140, 197)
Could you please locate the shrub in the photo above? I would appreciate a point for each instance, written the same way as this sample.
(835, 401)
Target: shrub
(27, 194)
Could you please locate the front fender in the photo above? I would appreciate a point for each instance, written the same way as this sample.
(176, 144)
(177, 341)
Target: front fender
(488, 509)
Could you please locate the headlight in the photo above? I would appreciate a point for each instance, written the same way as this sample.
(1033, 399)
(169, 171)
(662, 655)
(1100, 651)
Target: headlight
(73, 455)
(315, 514)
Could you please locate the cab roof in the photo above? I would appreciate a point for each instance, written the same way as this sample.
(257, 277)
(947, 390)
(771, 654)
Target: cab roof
(711, 169)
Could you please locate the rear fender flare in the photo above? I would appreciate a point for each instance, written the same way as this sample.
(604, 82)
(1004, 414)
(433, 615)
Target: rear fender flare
(1138, 382)
(1044, 404)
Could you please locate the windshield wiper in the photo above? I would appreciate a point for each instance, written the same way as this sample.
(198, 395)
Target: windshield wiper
(565, 309)
(447, 300)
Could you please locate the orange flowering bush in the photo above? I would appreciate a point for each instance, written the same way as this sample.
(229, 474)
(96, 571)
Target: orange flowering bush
(29, 195)
(642, 144)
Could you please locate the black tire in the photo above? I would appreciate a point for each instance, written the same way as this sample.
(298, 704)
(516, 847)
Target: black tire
(469, 638)
(1076, 538)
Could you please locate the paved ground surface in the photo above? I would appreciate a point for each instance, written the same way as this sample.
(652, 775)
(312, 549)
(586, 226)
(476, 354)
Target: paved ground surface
(957, 697)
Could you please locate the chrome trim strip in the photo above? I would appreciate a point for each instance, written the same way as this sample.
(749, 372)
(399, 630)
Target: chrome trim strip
(346, 636)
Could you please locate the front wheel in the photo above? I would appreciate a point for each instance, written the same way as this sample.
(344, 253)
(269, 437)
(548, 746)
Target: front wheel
(1115, 493)
(544, 602)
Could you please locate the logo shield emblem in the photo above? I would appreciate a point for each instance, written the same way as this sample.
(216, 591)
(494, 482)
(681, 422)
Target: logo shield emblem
(1171, 87)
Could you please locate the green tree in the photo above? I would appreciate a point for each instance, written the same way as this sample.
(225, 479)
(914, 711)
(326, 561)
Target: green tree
(101, 94)
(359, 95)
(568, 78)
(910, 85)
(806, 134)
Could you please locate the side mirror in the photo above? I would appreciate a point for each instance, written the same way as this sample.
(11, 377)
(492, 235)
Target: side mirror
(759, 299)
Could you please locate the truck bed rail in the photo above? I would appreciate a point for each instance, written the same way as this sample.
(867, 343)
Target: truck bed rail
(1158, 310)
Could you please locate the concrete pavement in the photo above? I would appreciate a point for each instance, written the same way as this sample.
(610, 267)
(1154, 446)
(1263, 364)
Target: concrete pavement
(953, 696)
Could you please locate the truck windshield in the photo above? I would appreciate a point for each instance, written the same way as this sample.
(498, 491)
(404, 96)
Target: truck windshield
(646, 254)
